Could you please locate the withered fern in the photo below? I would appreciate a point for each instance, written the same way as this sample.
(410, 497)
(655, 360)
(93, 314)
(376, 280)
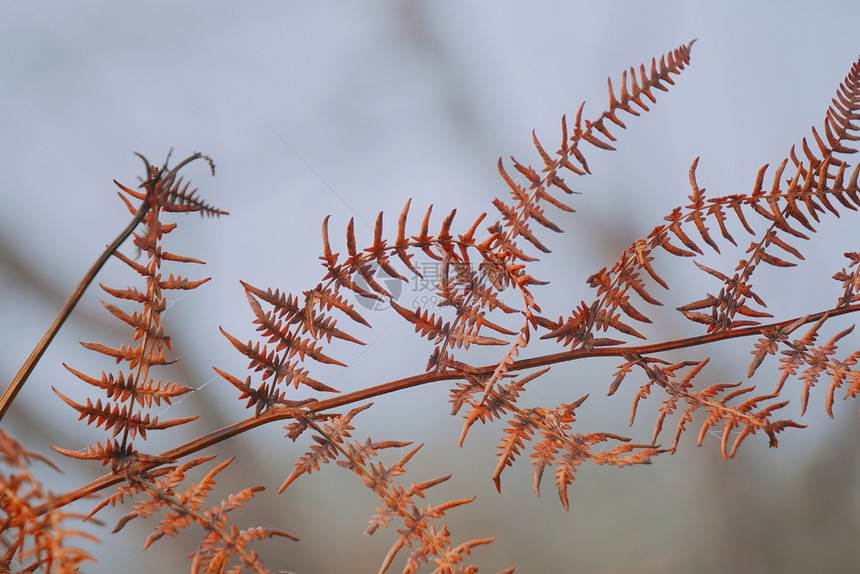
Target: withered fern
(486, 296)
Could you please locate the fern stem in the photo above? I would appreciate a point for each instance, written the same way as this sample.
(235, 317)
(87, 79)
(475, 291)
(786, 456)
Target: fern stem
(31, 362)
(245, 425)
(152, 178)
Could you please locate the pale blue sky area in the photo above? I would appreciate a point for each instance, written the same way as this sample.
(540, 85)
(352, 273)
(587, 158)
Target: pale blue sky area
(347, 109)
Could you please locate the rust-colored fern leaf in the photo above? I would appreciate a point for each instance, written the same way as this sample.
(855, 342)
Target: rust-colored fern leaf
(557, 446)
(526, 202)
(34, 541)
(790, 209)
(131, 391)
(787, 211)
(484, 296)
(429, 542)
(128, 392)
(223, 545)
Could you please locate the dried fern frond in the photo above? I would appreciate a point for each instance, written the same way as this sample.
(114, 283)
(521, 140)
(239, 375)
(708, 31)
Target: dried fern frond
(34, 541)
(790, 209)
(130, 391)
(162, 191)
(526, 202)
(298, 327)
(419, 532)
(471, 277)
(557, 446)
(223, 544)
(484, 296)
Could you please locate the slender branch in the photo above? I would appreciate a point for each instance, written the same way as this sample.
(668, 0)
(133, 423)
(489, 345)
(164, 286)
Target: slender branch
(153, 177)
(287, 413)
(31, 362)
(674, 344)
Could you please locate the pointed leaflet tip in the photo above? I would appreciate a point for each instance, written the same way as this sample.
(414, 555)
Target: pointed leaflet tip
(350, 237)
(328, 256)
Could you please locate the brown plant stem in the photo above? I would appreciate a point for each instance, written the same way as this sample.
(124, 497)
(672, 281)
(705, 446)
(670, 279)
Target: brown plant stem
(27, 368)
(239, 427)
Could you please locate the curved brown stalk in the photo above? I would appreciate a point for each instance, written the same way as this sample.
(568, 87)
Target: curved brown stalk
(27, 368)
(242, 426)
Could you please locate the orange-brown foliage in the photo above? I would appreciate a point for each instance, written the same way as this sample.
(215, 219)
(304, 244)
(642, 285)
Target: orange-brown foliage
(486, 296)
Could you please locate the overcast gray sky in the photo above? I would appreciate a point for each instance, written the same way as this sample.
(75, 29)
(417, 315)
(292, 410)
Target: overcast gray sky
(347, 109)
